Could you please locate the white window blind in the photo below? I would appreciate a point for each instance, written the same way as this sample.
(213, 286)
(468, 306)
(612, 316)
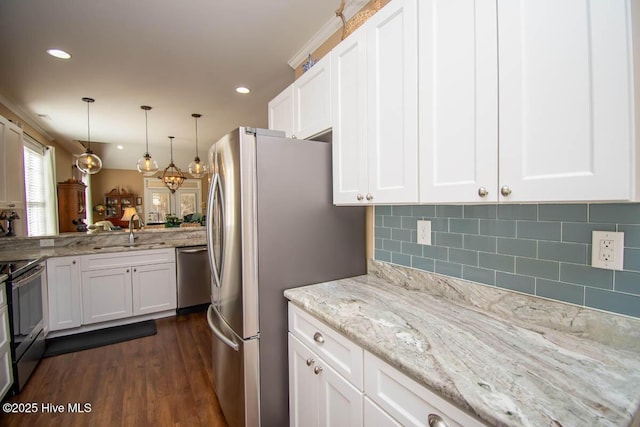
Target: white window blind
(34, 178)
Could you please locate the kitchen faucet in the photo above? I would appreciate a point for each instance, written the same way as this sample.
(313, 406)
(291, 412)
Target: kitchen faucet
(132, 238)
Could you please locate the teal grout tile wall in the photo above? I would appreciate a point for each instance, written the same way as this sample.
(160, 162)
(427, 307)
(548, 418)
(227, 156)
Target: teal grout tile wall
(543, 250)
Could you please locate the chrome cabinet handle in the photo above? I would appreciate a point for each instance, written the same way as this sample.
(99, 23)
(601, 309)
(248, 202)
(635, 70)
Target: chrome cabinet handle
(482, 192)
(317, 337)
(436, 421)
(317, 371)
(505, 191)
(310, 362)
(359, 197)
(369, 197)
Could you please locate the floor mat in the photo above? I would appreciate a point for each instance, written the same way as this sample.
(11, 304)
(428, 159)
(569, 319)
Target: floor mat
(98, 338)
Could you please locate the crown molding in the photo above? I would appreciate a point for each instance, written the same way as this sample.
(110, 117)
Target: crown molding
(332, 25)
(24, 116)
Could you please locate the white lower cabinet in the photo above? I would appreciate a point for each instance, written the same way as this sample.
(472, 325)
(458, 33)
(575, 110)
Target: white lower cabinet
(106, 295)
(6, 372)
(89, 289)
(334, 382)
(64, 293)
(116, 286)
(319, 396)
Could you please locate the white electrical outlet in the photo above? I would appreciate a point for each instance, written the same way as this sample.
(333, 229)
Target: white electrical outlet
(607, 250)
(46, 243)
(424, 232)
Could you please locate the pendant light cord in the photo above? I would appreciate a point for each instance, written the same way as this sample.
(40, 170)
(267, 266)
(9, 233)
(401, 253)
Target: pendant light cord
(171, 141)
(88, 128)
(146, 130)
(197, 137)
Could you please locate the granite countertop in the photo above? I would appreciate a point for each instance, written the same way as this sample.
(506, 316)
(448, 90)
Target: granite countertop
(73, 244)
(508, 358)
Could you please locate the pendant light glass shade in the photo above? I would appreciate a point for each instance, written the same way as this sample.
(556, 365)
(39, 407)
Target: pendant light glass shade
(172, 175)
(197, 169)
(146, 165)
(88, 162)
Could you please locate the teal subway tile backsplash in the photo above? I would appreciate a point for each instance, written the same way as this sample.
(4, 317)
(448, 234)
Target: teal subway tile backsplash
(543, 250)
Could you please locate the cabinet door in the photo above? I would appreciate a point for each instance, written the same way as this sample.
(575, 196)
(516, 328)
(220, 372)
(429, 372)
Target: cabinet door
(392, 113)
(106, 294)
(6, 368)
(565, 99)
(458, 101)
(64, 293)
(154, 288)
(340, 402)
(281, 112)
(303, 385)
(12, 165)
(312, 100)
(349, 119)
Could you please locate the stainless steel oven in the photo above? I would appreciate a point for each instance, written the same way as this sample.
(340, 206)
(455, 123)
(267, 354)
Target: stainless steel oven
(24, 295)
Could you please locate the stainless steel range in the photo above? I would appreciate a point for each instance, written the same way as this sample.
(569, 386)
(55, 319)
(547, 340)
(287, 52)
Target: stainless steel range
(24, 295)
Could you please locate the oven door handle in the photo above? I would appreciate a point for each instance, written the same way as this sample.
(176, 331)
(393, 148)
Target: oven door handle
(36, 272)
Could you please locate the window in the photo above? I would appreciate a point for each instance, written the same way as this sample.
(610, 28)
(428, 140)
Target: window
(38, 180)
(158, 200)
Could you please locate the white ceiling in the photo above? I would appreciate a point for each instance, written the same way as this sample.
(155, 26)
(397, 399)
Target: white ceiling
(179, 57)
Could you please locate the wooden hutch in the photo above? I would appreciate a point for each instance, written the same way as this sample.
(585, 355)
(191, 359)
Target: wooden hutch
(71, 204)
(116, 202)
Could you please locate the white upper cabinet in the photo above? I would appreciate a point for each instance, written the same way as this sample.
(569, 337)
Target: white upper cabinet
(11, 166)
(375, 109)
(303, 109)
(535, 105)
(566, 101)
(349, 110)
(392, 112)
(458, 101)
(312, 100)
(281, 112)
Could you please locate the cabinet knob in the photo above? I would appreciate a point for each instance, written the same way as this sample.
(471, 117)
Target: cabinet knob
(369, 197)
(310, 362)
(317, 337)
(436, 421)
(127, 270)
(317, 371)
(12, 205)
(359, 197)
(482, 192)
(505, 190)
(135, 269)
(73, 262)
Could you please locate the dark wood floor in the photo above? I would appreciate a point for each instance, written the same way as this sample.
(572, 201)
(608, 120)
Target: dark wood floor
(161, 380)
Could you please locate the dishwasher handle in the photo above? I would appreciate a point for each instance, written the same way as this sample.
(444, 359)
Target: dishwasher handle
(193, 251)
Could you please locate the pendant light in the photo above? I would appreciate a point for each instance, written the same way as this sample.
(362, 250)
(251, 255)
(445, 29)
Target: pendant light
(172, 175)
(88, 162)
(146, 165)
(197, 169)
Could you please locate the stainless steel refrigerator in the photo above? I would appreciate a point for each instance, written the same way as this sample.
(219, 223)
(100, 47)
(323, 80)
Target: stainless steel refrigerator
(271, 225)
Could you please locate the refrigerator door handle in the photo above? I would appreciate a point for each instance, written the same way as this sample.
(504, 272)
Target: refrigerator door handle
(215, 187)
(218, 333)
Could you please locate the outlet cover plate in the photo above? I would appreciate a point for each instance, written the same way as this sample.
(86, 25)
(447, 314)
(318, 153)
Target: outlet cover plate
(424, 232)
(607, 250)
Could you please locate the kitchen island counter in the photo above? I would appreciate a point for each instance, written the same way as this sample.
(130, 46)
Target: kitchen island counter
(72, 244)
(508, 358)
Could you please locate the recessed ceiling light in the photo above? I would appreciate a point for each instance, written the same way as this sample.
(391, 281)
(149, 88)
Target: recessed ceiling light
(242, 89)
(120, 147)
(59, 53)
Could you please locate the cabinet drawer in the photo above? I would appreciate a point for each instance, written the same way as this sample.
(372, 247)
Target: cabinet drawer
(375, 416)
(343, 355)
(407, 401)
(4, 327)
(119, 259)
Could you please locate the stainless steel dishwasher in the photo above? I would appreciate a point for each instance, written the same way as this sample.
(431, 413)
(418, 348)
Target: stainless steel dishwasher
(193, 279)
